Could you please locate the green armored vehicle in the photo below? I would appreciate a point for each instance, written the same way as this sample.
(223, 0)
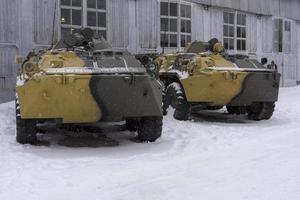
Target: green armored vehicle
(203, 78)
(83, 80)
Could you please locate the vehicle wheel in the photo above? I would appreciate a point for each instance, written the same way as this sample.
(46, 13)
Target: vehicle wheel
(236, 110)
(26, 128)
(261, 111)
(176, 98)
(150, 129)
(132, 125)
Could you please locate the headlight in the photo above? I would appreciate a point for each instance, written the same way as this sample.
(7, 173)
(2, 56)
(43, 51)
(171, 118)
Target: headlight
(28, 67)
(152, 67)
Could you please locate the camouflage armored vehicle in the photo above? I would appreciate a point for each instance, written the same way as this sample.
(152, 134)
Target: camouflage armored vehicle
(83, 80)
(203, 78)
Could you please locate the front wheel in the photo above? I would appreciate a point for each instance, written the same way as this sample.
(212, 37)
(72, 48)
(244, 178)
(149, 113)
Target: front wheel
(150, 129)
(132, 125)
(261, 111)
(25, 128)
(176, 98)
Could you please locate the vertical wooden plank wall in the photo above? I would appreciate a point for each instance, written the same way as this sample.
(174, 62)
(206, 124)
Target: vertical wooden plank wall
(298, 51)
(200, 22)
(43, 21)
(216, 24)
(252, 33)
(148, 23)
(9, 47)
(118, 23)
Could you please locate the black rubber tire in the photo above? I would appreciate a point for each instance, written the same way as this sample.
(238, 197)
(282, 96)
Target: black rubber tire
(132, 125)
(236, 110)
(261, 111)
(176, 98)
(25, 128)
(150, 129)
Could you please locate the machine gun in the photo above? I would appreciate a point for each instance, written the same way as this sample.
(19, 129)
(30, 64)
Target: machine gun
(83, 38)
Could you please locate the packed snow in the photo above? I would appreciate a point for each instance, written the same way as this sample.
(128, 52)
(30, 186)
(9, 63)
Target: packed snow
(212, 156)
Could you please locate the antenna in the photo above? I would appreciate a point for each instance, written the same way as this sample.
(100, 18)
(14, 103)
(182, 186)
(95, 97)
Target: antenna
(53, 25)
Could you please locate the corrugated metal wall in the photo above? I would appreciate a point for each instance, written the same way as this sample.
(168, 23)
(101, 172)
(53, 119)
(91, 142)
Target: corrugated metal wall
(256, 6)
(9, 47)
(9, 17)
(267, 34)
(216, 23)
(118, 23)
(252, 33)
(290, 59)
(284, 8)
(290, 9)
(43, 15)
(287, 62)
(148, 23)
(199, 22)
(298, 51)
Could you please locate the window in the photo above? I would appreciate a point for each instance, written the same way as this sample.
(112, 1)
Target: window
(96, 16)
(168, 24)
(175, 24)
(186, 27)
(228, 30)
(241, 32)
(281, 35)
(234, 31)
(71, 15)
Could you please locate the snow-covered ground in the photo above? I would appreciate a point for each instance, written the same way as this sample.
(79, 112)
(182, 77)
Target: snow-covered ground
(210, 157)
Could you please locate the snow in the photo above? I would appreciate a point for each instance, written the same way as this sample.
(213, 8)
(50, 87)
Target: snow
(20, 81)
(213, 156)
(240, 69)
(80, 70)
(181, 74)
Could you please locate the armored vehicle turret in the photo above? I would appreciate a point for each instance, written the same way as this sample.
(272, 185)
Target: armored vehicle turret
(84, 80)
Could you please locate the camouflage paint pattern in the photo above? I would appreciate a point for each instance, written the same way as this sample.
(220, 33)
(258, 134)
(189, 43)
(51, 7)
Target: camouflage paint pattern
(64, 88)
(207, 77)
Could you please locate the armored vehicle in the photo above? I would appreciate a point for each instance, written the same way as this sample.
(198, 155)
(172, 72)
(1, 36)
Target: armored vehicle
(203, 77)
(83, 80)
